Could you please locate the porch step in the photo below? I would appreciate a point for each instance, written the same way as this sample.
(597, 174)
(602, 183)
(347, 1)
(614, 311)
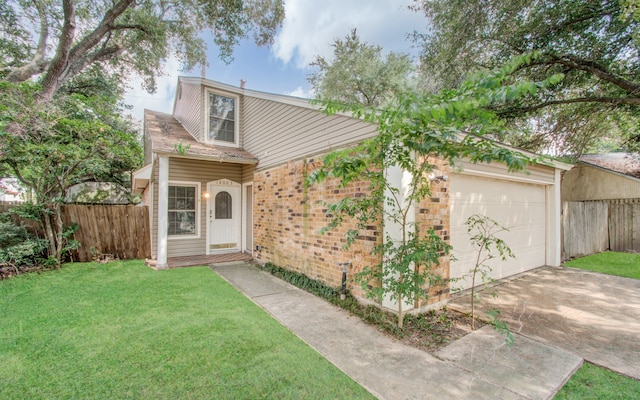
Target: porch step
(190, 261)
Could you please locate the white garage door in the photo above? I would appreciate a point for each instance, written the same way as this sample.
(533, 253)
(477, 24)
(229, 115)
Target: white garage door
(520, 207)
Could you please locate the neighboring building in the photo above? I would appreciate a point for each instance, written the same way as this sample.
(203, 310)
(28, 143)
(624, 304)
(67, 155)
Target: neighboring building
(11, 191)
(225, 173)
(97, 193)
(611, 176)
(601, 196)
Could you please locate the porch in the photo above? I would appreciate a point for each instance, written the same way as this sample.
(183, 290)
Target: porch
(190, 261)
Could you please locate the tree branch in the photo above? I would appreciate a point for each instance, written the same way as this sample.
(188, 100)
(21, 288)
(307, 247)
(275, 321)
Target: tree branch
(122, 27)
(599, 71)
(105, 26)
(104, 54)
(54, 77)
(67, 58)
(634, 101)
(38, 64)
(606, 10)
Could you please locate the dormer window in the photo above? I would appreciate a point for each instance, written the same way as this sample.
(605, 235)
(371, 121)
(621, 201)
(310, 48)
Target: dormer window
(222, 127)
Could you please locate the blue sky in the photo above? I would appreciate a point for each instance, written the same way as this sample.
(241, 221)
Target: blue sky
(309, 28)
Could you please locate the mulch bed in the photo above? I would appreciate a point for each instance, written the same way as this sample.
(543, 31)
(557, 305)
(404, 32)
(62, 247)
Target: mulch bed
(7, 272)
(435, 329)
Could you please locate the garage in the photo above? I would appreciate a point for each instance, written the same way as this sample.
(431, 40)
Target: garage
(518, 203)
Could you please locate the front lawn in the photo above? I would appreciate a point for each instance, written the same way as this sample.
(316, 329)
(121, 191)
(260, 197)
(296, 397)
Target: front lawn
(609, 262)
(591, 382)
(121, 330)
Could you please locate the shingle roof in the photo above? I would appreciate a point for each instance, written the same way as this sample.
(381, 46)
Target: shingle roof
(166, 132)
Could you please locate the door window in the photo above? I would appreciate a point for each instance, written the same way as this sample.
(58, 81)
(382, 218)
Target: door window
(223, 206)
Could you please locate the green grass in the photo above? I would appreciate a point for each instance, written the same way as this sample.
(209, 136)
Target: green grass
(612, 263)
(121, 330)
(591, 382)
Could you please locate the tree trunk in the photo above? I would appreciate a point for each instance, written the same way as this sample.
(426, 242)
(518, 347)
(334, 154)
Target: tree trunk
(473, 300)
(54, 230)
(59, 233)
(49, 231)
(400, 316)
(56, 73)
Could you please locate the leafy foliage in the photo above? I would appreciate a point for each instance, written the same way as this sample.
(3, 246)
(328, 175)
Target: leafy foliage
(131, 37)
(359, 74)
(303, 282)
(594, 45)
(50, 147)
(19, 248)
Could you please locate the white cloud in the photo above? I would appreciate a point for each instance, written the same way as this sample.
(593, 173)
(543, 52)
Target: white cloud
(162, 99)
(308, 30)
(309, 27)
(301, 92)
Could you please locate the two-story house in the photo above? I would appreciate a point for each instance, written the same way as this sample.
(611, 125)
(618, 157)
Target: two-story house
(225, 174)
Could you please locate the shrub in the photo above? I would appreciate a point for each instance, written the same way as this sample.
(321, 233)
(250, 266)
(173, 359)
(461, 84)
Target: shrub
(11, 234)
(19, 248)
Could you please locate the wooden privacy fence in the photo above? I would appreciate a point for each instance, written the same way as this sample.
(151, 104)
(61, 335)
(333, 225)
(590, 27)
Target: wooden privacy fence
(590, 227)
(118, 230)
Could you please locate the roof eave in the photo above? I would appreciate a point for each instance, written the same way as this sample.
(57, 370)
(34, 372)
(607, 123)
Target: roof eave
(203, 157)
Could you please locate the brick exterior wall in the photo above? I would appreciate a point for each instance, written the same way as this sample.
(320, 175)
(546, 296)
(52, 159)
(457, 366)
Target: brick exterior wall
(434, 213)
(288, 217)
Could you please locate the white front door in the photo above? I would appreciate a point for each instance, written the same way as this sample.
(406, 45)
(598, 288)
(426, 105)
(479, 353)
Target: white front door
(223, 217)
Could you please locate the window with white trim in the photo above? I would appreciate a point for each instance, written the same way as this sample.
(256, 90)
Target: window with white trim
(222, 119)
(182, 210)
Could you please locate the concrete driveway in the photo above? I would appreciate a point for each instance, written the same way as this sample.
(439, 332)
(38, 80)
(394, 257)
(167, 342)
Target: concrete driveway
(592, 315)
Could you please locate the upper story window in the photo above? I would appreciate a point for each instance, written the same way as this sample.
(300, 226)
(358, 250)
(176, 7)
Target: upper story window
(222, 118)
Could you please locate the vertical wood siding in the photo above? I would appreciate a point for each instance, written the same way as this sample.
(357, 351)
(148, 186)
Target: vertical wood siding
(585, 228)
(591, 227)
(277, 133)
(120, 231)
(624, 225)
(189, 108)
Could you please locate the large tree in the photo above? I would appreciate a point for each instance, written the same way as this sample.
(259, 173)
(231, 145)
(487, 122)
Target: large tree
(358, 73)
(128, 35)
(592, 43)
(81, 137)
(64, 66)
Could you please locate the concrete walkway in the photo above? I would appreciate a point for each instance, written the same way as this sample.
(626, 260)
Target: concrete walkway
(592, 315)
(478, 366)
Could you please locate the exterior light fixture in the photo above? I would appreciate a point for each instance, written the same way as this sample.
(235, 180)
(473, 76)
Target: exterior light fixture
(437, 179)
